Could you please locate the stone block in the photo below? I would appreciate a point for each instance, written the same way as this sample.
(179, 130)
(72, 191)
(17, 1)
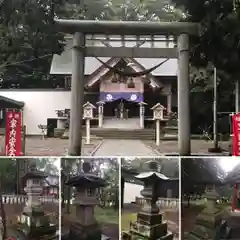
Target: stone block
(149, 232)
(58, 132)
(149, 219)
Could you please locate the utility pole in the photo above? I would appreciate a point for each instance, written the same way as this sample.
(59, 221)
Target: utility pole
(237, 96)
(215, 129)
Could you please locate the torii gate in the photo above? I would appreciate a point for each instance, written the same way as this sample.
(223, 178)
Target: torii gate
(79, 28)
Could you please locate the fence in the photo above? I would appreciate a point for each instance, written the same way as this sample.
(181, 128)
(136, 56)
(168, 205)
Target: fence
(162, 202)
(22, 199)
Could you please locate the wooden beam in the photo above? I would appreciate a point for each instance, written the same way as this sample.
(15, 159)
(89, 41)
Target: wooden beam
(126, 52)
(126, 27)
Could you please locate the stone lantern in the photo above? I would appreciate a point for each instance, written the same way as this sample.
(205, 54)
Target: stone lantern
(88, 115)
(34, 222)
(85, 226)
(158, 116)
(100, 113)
(141, 113)
(150, 224)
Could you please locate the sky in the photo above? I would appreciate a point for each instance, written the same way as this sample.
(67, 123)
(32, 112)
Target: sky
(228, 163)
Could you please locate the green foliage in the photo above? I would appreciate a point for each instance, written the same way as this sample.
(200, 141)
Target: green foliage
(197, 173)
(7, 175)
(27, 33)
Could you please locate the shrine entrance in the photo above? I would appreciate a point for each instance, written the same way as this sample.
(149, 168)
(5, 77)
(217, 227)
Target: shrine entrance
(121, 109)
(80, 28)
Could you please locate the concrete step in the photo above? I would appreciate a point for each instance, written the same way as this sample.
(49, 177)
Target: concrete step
(142, 134)
(115, 133)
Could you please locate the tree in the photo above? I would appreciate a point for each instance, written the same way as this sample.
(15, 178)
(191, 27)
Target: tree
(197, 173)
(218, 46)
(125, 10)
(8, 175)
(29, 40)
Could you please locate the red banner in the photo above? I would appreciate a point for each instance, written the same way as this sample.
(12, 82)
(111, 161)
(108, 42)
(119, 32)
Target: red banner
(236, 134)
(13, 138)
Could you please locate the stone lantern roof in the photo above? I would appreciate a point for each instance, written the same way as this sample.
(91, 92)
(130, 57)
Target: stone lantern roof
(33, 173)
(86, 178)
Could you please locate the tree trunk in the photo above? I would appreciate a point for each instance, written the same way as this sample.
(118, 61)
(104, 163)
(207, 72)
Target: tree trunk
(3, 215)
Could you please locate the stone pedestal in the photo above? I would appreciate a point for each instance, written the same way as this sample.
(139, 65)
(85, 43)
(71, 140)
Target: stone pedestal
(208, 221)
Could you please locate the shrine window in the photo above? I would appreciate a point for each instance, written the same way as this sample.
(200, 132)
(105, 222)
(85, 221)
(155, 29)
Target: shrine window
(90, 192)
(35, 181)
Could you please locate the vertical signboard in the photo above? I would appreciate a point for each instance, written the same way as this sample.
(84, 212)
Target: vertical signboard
(13, 140)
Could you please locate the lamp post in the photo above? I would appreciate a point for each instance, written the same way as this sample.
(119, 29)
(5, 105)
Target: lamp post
(141, 113)
(158, 116)
(88, 115)
(100, 113)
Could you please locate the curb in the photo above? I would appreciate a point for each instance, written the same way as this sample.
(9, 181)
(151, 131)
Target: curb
(152, 148)
(97, 147)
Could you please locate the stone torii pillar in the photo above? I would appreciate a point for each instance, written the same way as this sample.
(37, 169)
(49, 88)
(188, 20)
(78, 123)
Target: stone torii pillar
(81, 27)
(184, 145)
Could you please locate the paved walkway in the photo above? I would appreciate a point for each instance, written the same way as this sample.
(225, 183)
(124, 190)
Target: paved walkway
(116, 147)
(35, 146)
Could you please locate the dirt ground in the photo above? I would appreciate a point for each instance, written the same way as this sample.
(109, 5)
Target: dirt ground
(36, 146)
(197, 147)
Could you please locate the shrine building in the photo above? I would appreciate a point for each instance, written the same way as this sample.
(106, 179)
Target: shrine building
(121, 96)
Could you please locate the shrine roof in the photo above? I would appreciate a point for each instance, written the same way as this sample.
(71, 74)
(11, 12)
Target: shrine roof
(62, 64)
(12, 101)
(169, 168)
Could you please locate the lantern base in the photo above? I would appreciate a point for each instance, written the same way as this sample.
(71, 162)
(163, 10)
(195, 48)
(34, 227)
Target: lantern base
(206, 224)
(144, 231)
(65, 134)
(149, 219)
(80, 232)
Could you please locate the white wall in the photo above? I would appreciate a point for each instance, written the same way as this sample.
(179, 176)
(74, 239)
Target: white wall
(39, 105)
(131, 191)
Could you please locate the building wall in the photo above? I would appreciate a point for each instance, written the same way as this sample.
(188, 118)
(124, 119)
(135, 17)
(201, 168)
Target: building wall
(39, 105)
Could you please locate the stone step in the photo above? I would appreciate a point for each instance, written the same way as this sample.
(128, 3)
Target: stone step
(172, 130)
(142, 134)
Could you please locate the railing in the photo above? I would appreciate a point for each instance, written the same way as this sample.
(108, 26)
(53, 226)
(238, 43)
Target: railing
(161, 202)
(21, 199)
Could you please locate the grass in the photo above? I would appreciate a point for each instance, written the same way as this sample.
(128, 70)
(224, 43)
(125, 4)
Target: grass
(106, 215)
(126, 218)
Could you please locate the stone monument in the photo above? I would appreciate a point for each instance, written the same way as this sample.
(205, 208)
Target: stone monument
(33, 223)
(150, 224)
(86, 227)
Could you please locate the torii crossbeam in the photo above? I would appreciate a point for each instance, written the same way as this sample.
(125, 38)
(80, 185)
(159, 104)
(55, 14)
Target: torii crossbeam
(79, 28)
